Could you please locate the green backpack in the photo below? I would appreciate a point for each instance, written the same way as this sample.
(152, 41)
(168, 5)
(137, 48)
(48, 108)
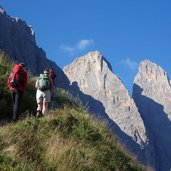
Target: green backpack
(44, 82)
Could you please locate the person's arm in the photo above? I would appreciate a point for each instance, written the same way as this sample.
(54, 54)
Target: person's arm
(9, 79)
(25, 80)
(37, 84)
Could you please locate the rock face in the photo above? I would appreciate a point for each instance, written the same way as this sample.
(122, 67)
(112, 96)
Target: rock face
(93, 81)
(17, 39)
(152, 94)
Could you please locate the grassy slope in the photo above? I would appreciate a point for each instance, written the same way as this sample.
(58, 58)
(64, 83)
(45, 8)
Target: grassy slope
(67, 140)
(29, 103)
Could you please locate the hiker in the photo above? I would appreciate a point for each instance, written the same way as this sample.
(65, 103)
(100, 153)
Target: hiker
(17, 82)
(52, 75)
(45, 90)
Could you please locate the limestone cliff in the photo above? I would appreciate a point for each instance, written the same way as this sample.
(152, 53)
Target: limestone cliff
(105, 94)
(152, 94)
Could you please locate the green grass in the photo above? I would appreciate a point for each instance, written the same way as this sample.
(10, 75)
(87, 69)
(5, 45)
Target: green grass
(67, 140)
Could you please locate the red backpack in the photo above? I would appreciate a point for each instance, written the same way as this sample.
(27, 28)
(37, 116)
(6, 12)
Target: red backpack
(17, 79)
(52, 74)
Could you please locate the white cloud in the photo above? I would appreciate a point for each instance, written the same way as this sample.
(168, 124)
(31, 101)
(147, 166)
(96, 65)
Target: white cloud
(83, 44)
(129, 63)
(80, 46)
(67, 48)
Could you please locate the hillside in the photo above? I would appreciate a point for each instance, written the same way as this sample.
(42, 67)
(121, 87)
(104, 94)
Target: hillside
(29, 103)
(68, 139)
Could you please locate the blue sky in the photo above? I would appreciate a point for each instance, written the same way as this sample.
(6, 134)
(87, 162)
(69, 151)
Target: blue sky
(124, 31)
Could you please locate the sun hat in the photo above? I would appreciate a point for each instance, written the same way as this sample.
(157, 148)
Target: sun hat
(46, 72)
(22, 64)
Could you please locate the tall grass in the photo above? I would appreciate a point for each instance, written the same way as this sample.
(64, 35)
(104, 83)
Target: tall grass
(5, 99)
(65, 140)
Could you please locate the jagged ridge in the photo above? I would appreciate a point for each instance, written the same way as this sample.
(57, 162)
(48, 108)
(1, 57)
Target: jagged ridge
(152, 94)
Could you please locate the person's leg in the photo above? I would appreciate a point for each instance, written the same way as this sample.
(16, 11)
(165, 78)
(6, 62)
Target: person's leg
(40, 106)
(39, 109)
(13, 100)
(39, 100)
(46, 100)
(17, 102)
(45, 108)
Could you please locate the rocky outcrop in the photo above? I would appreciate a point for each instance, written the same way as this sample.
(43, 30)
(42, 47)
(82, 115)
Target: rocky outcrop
(17, 39)
(92, 79)
(152, 94)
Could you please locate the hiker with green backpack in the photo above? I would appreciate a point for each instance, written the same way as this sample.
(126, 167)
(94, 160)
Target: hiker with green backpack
(45, 90)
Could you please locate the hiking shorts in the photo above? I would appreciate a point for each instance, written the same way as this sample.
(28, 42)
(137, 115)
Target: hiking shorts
(43, 96)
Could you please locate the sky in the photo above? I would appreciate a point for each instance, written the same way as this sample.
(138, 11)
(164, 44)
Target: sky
(124, 31)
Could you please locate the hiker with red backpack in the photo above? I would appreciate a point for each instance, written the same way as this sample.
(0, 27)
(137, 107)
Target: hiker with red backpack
(17, 83)
(45, 89)
(52, 75)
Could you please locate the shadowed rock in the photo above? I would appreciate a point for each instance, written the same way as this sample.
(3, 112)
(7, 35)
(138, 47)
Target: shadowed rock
(152, 94)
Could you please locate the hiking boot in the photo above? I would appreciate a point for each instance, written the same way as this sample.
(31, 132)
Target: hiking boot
(14, 118)
(39, 114)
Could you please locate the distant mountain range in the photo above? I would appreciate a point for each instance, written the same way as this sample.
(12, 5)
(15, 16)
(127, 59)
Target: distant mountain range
(141, 122)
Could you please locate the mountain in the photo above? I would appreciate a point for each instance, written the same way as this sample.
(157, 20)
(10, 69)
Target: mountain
(91, 78)
(152, 94)
(17, 39)
(142, 123)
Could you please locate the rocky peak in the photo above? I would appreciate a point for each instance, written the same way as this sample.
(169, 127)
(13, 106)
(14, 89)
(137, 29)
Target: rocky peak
(154, 82)
(95, 58)
(17, 23)
(104, 93)
(152, 95)
(152, 72)
(2, 11)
